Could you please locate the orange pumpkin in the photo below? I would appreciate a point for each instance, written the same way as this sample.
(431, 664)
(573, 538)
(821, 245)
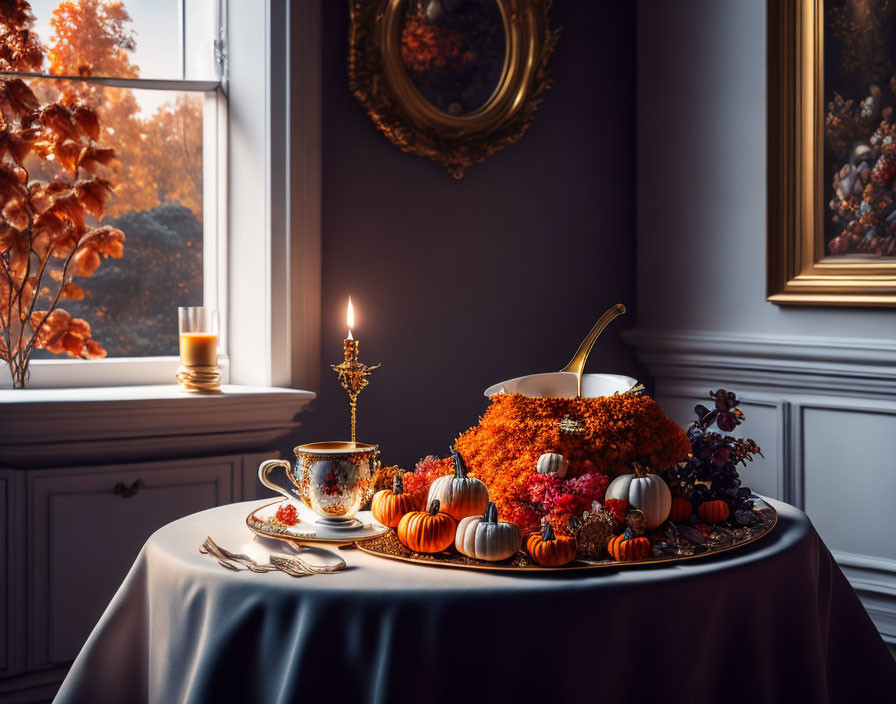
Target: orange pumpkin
(390, 505)
(427, 531)
(627, 548)
(550, 550)
(714, 511)
(681, 509)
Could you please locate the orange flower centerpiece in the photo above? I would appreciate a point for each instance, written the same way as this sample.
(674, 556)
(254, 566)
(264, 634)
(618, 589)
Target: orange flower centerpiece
(588, 480)
(599, 438)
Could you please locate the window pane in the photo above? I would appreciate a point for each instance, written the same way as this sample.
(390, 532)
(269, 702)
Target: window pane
(131, 303)
(129, 39)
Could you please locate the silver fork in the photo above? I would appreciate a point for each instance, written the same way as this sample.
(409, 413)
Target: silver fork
(205, 550)
(290, 564)
(240, 558)
(283, 563)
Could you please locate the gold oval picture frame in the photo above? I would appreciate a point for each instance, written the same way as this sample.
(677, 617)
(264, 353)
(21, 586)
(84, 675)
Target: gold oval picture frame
(381, 83)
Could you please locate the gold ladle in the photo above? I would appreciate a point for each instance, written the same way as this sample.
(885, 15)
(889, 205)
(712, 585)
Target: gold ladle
(577, 363)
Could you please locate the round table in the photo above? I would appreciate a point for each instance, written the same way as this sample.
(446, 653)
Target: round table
(773, 621)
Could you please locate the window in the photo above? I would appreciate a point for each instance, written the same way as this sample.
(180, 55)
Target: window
(154, 72)
(254, 241)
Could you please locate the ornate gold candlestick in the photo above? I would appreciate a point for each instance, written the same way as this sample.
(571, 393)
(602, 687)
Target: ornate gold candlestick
(352, 373)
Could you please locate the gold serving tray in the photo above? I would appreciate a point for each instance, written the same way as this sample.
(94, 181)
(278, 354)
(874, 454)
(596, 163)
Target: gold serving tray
(722, 539)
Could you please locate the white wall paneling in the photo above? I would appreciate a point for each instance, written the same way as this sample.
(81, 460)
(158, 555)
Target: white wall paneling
(874, 579)
(849, 476)
(824, 413)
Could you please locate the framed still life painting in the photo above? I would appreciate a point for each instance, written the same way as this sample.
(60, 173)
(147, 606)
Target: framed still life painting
(832, 152)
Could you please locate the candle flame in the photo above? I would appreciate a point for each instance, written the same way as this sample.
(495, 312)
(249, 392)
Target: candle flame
(350, 317)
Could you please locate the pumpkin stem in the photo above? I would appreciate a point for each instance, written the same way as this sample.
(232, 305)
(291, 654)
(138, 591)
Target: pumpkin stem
(434, 507)
(640, 471)
(460, 470)
(491, 513)
(397, 484)
(548, 532)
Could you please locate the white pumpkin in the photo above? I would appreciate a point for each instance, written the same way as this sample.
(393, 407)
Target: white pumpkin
(552, 463)
(646, 492)
(459, 495)
(486, 538)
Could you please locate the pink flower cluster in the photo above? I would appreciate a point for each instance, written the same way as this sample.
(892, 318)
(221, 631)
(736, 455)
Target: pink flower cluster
(427, 470)
(558, 498)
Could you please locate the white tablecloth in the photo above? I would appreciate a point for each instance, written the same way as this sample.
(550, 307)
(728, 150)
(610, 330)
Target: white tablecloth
(774, 621)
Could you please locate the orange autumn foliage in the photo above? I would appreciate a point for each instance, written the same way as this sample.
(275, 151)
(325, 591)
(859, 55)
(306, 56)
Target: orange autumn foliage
(60, 333)
(19, 50)
(92, 38)
(159, 156)
(46, 232)
(175, 137)
(503, 449)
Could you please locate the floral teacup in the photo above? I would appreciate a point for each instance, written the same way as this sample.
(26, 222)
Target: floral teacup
(334, 479)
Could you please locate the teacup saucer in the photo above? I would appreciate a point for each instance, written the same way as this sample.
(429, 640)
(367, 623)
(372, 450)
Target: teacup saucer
(311, 528)
(340, 524)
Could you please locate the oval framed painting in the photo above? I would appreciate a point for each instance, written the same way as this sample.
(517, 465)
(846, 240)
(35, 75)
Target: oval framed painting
(451, 80)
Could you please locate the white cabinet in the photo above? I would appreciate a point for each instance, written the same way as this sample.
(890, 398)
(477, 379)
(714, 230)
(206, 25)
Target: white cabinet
(86, 526)
(86, 476)
(69, 536)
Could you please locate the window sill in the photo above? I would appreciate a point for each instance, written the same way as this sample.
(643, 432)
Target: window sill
(55, 374)
(53, 427)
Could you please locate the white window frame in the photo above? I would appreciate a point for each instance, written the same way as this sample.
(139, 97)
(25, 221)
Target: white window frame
(261, 213)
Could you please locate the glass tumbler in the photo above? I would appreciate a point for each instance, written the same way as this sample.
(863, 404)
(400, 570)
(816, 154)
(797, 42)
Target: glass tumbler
(198, 328)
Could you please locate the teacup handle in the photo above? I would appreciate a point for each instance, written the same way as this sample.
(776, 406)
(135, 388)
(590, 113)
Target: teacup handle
(265, 468)
(376, 467)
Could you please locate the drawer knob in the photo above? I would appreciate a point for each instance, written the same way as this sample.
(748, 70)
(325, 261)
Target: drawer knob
(127, 492)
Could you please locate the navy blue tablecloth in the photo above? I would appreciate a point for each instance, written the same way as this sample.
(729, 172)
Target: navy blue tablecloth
(775, 621)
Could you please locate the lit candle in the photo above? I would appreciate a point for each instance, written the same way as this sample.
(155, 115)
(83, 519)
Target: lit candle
(198, 349)
(198, 371)
(350, 317)
(198, 337)
(350, 344)
(352, 374)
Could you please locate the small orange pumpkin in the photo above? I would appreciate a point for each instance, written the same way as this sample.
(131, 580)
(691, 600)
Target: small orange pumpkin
(389, 505)
(627, 548)
(714, 511)
(427, 531)
(681, 509)
(551, 550)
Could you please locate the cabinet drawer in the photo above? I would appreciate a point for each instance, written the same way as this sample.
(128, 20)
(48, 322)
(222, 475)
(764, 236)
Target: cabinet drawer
(85, 536)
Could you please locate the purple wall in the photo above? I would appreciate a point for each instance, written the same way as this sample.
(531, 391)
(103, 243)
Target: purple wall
(460, 284)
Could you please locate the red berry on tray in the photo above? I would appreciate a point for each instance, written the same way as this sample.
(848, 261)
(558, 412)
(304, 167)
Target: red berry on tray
(287, 515)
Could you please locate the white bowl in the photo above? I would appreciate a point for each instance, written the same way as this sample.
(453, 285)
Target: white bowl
(563, 385)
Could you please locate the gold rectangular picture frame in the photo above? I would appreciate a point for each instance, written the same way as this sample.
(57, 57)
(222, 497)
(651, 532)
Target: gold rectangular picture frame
(799, 270)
